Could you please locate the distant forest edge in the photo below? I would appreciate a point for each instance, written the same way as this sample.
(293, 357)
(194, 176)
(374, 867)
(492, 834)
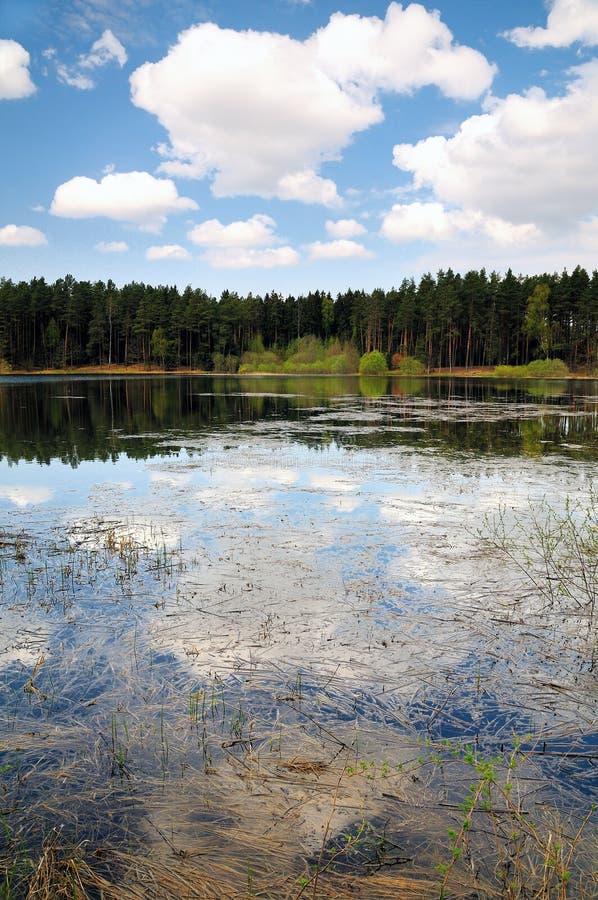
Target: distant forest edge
(444, 321)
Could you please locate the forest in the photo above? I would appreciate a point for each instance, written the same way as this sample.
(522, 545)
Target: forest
(448, 320)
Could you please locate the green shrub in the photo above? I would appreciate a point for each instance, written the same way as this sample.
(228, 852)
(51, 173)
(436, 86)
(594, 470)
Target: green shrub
(228, 364)
(308, 349)
(304, 356)
(294, 366)
(338, 365)
(345, 363)
(254, 361)
(310, 356)
(411, 366)
(373, 363)
(548, 368)
(539, 368)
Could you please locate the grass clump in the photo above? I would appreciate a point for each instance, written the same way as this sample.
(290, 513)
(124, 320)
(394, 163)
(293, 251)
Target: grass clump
(510, 371)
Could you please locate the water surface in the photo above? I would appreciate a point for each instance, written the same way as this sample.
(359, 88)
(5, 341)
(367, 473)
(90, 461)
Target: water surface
(225, 602)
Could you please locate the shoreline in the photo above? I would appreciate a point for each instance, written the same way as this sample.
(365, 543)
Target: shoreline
(137, 370)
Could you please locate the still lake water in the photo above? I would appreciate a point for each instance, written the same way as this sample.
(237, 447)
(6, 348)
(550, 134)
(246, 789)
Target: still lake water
(216, 591)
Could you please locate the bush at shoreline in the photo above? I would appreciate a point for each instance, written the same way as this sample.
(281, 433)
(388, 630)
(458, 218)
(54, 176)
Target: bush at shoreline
(539, 368)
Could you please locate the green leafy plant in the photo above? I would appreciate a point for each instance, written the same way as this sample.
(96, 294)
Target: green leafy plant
(538, 368)
(409, 365)
(373, 363)
(530, 859)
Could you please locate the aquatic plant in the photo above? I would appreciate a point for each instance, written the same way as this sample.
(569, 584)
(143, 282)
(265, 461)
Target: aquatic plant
(555, 553)
(531, 858)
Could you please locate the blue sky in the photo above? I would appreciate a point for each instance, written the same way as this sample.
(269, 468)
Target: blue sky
(292, 145)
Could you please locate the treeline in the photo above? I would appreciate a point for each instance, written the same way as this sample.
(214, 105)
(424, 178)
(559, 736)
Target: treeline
(447, 320)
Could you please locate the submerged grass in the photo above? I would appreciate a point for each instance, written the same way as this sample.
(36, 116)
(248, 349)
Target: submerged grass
(498, 850)
(284, 809)
(129, 770)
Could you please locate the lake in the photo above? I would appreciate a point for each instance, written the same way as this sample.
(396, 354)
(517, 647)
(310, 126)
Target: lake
(284, 636)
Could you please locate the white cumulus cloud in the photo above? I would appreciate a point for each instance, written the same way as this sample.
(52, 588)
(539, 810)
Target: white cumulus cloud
(416, 222)
(344, 228)
(568, 21)
(167, 251)
(15, 80)
(21, 236)
(340, 249)
(502, 232)
(244, 244)
(308, 187)
(125, 196)
(259, 113)
(409, 49)
(432, 222)
(529, 160)
(248, 258)
(258, 231)
(112, 247)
